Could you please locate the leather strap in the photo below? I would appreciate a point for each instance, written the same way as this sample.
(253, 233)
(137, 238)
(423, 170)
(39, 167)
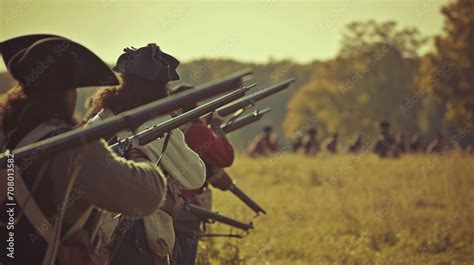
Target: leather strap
(51, 233)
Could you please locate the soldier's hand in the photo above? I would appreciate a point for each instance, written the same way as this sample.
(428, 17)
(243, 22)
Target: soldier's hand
(136, 152)
(172, 206)
(216, 120)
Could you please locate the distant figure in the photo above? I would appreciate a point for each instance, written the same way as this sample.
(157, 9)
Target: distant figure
(385, 143)
(435, 146)
(330, 143)
(356, 146)
(415, 143)
(264, 144)
(310, 144)
(400, 143)
(297, 143)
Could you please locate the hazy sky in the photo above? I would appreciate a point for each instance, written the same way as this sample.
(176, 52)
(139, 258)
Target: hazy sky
(246, 30)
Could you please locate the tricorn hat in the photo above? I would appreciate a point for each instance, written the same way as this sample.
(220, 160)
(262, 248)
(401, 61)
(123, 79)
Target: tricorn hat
(149, 63)
(384, 124)
(51, 61)
(267, 128)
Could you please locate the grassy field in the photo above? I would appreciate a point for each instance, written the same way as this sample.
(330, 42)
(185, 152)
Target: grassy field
(348, 209)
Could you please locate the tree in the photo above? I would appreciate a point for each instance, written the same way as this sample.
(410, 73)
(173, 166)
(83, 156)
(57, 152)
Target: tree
(450, 70)
(374, 74)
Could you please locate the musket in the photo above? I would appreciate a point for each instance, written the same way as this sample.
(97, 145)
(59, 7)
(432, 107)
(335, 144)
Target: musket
(156, 131)
(246, 199)
(245, 120)
(223, 84)
(110, 126)
(230, 127)
(211, 216)
(198, 234)
(229, 184)
(251, 99)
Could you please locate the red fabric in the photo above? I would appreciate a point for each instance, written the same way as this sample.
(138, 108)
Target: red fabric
(262, 146)
(212, 149)
(190, 195)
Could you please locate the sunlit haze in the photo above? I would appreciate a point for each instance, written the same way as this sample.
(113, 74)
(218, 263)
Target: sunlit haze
(243, 30)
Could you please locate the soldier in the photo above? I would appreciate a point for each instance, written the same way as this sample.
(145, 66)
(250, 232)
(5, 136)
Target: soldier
(146, 72)
(400, 143)
(310, 144)
(297, 143)
(208, 140)
(415, 143)
(330, 143)
(264, 144)
(356, 146)
(435, 146)
(385, 142)
(48, 68)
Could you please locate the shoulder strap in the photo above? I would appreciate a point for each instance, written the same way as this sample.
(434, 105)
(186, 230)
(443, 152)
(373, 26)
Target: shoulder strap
(32, 210)
(22, 193)
(163, 149)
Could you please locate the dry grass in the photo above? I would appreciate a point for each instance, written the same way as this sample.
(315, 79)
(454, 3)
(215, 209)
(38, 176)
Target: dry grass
(348, 209)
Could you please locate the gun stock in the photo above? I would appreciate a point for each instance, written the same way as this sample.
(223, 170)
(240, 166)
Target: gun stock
(216, 217)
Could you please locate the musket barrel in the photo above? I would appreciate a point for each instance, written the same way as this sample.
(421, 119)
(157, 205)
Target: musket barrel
(252, 98)
(246, 199)
(154, 132)
(125, 120)
(244, 120)
(223, 84)
(209, 215)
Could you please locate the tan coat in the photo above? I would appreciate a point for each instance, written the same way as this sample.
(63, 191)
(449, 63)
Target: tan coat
(105, 180)
(182, 164)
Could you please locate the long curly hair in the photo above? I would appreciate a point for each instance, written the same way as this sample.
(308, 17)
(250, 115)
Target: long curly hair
(21, 112)
(131, 93)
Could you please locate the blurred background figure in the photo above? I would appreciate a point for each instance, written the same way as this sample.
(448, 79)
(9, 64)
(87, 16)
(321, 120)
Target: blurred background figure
(297, 143)
(415, 143)
(264, 144)
(469, 149)
(330, 143)
(435, 146)
(356, 146)
(385, 142)
(400, 143)
(310, 144)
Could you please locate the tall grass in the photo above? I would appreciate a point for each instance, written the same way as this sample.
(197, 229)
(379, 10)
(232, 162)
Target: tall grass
(347, 209)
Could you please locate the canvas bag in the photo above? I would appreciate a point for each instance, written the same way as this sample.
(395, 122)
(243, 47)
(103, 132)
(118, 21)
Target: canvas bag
(159, 233)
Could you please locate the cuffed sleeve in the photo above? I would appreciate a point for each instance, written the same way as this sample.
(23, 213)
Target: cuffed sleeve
(113, 183)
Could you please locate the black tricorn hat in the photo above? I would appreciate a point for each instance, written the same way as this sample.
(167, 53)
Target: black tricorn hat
(10, 47)
(49, 61)
(149, 63)
(267, 128)
(384, 124)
